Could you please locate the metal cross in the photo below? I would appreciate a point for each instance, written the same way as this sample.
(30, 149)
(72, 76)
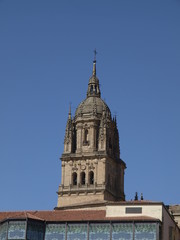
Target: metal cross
(95, 53)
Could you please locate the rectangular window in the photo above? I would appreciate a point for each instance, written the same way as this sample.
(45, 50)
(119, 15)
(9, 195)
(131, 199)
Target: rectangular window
(35, 230)
(77, 232)
(3, 231)
(133, 210)
(122, 231)
(99, 231)
(145, 231)
(17, 230)
(55, 232)
(170, 233)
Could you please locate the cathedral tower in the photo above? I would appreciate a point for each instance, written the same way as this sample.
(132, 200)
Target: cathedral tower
(92, 170)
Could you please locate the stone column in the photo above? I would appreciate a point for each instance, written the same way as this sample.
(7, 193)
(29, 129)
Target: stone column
(63, 170)
(70, 175)
(78, 173)
(87, 172)
(79, 138)
(95, 171)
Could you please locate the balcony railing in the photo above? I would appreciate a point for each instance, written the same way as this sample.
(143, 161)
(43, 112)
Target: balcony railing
(80, 187)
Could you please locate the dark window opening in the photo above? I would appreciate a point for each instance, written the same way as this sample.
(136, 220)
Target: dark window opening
(91, 91)
(74, 177)
(135, 210)
(86, 135)
(83, 178)
(91, 177)
(74, 141)
(110, 143)
(85, 142)
(95, 89)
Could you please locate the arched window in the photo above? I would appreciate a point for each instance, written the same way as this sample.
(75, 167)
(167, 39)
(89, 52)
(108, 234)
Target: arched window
(95, 89)
(91, 177)
(85, 139)
(83, 178)
(110, 143)
(91, 89)
(86, 136)
(74, 178)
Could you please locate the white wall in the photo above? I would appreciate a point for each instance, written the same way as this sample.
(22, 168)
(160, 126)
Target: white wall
(157, 211)
(154, 211)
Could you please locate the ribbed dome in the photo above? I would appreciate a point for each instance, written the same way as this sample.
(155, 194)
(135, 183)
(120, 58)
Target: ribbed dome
(92, 106)
(93, 79)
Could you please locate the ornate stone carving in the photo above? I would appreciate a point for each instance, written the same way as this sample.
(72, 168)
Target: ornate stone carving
(91, 166)
(83, 167)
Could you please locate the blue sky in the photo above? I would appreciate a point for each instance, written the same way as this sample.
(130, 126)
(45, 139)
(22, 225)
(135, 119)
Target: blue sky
(46, 54)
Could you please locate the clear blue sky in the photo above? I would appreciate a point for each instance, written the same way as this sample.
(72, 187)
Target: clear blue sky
(46, 54)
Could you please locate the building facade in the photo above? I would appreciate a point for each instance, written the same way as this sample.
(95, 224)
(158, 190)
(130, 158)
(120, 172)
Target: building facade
(175, 212)
(123, 220)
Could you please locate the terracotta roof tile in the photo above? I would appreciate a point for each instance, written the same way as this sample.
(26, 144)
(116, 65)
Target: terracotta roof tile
(18, 215)
(70, 215)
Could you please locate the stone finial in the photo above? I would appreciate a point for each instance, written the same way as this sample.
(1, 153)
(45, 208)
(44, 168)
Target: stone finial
(69, 117)
(136, 197)
(94, 68)
(94, 63)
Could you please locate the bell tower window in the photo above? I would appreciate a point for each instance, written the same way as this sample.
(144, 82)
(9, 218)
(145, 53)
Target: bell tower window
(91, 89)
(95, 89)
(85, 142)
(86, 135)
(74, 178)
(83, 178)
(91, 177)
(110, 143)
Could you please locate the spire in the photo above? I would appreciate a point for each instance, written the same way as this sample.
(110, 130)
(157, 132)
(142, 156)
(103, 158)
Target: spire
(68, 133)
(115, 120)
(94, 63)
(69, 112)
(136, 197)
(94, 68)
(93, 86)
(95, 53)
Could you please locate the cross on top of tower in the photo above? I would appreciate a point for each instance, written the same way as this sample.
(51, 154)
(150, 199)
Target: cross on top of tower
(95, 53)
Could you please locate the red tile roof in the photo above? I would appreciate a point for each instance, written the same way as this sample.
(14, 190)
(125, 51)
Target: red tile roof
(70, 215)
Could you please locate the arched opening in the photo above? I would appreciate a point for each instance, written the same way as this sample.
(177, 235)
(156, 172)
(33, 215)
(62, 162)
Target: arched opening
(91, 91)
(74, 141)
(83, 178)
(91, 177)
(95, 89)
(110, 143)
(86, 136)
(74, 178)
(85, 142)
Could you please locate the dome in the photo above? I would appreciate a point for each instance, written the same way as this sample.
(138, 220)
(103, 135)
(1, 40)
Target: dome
(94, 80)
(92, 106)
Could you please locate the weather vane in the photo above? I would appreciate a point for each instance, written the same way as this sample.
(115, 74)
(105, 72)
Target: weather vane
(95, 53)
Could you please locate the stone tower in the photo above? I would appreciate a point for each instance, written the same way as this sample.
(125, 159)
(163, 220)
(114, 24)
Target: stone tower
(92, 171)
